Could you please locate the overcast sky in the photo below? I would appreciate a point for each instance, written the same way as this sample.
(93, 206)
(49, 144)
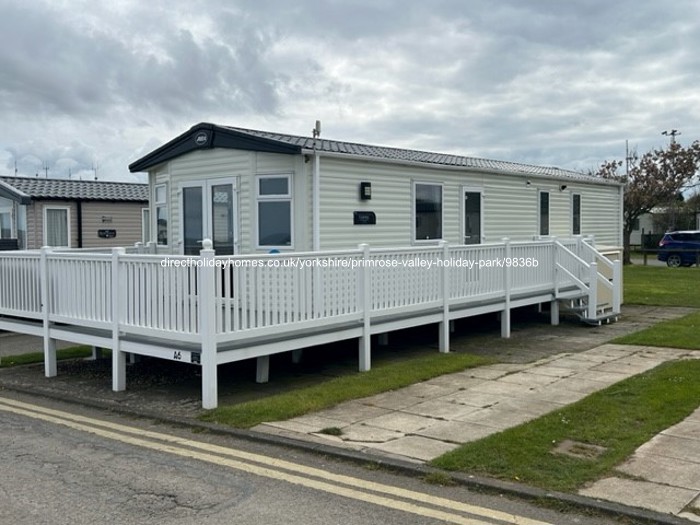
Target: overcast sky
(550, 82)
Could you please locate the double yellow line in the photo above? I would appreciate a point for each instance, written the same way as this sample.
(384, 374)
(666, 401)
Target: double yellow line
(387, 496)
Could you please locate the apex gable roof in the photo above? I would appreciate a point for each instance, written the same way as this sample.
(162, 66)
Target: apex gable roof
(206, 136)
(27, 188)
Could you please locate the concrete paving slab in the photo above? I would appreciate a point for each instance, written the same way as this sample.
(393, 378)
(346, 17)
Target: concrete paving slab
(645, 494)
(694, 417)
(416, 447)
(671, 447)
(497, 417)
(559, 393)
(439, 409)
(487, 372)
(560, 372)
(457, 431)
(531, 404)
(628, 367)
(401, 422)
(689, 429)
(668, 471)
(584, 386)
(361, 433)
(352, 412)
(503, 389)
(607, 378)
(395, 400)
(574, 362)
(427, 390)
(312, 438)
(475, 398)
(530, 379)
(306, 424)
(460, 381)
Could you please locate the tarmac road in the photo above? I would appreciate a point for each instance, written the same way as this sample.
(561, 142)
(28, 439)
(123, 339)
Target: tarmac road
(68, 469)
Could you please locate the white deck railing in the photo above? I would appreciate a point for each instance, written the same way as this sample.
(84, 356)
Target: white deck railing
(212, 301)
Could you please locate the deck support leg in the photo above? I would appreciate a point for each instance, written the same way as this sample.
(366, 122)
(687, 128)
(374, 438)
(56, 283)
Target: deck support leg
(505, 314)
(96, 353)
(452, 327)
(444, 328)
(118, 369)
(554, 312)
(365, 293)
(207, 326)
(210, 385)
(118, 357)
(383, 339)
(297, 355)
(50, 368)
(505, 323)
(262, 372)
(365, 351)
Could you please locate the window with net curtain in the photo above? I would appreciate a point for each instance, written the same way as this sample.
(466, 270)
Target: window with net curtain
(5, 218)
(56, 227)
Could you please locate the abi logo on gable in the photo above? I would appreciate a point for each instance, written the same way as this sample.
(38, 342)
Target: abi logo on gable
(201, 138)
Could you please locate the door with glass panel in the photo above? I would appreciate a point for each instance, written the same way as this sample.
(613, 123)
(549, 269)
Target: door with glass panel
(209, 212)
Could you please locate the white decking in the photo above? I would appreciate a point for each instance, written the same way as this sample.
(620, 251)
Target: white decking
(210, 310)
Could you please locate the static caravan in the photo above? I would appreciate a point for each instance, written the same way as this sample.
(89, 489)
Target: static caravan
(262, 243)
(36, 212)
(256, 192)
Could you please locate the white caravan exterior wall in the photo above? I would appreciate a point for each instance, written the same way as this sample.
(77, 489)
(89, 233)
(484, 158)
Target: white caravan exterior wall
(243, 166)
(510, 207)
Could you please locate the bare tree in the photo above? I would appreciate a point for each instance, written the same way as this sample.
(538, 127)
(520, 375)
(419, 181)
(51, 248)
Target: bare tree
(654, 179)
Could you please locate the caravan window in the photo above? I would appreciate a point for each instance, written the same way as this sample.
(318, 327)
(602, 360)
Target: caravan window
(274, 211)
(427, 210)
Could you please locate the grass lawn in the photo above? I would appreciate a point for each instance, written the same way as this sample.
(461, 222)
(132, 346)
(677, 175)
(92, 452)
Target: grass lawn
(655, 285)
(620, 418)
(676, 333)
(75, 352)
(381, 378)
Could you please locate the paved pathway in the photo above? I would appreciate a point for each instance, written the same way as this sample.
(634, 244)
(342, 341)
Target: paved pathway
(425, 420)
(662, 475)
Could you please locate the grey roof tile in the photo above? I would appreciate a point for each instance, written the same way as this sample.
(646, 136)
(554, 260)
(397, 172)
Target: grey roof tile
(423, 157)
(38, 188)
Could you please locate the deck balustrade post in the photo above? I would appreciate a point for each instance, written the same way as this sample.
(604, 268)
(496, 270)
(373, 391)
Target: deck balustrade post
(365, 295)
(617, 286)
(505, 317)
(138, 246)
(50, 368)
(118, 357)
(593, 291)
(207, 325)
(445, 293)
(554, 304)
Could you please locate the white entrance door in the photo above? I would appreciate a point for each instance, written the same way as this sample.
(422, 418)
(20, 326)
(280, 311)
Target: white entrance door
(209, 211)
(472, 216)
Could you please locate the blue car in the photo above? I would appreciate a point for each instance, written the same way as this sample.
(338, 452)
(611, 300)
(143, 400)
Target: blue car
(680, 248)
